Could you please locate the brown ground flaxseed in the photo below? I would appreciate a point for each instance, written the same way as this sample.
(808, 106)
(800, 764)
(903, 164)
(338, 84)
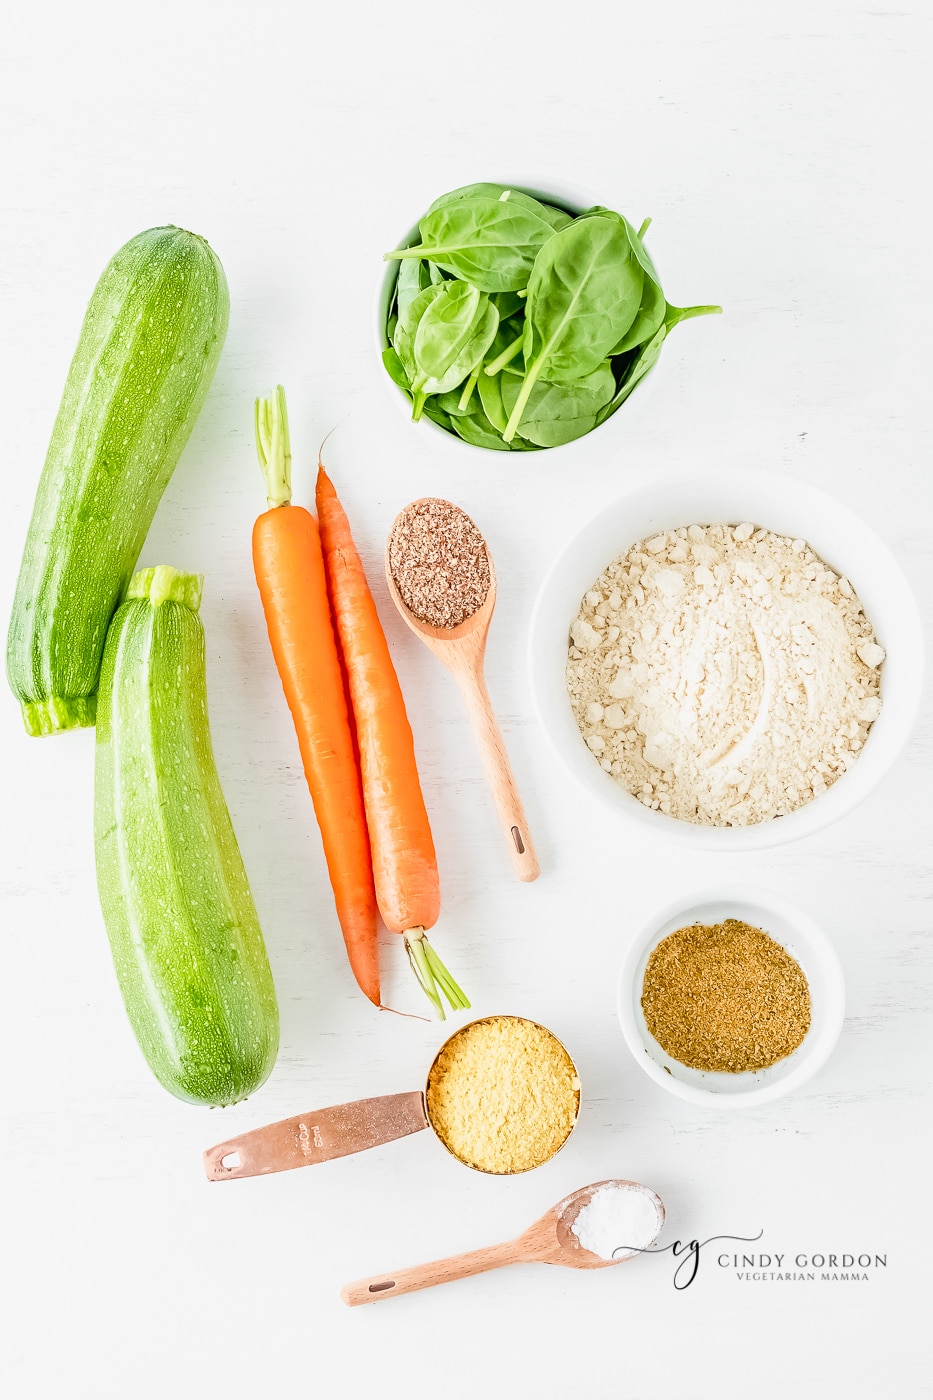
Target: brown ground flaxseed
(438, 560)
(725, 997)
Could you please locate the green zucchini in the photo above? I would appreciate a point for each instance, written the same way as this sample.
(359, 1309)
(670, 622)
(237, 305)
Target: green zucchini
(148, 348)
(185, 937)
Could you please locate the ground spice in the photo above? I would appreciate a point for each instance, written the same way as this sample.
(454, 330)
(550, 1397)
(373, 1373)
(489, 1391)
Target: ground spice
(439, 562)
(503, 1095)
(725, 997)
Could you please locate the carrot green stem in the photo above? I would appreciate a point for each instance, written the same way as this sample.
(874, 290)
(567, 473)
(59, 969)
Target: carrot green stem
(432, 975)
(274, 448)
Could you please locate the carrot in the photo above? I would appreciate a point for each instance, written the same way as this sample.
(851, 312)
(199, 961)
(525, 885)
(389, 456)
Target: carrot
(404, 861)
(289, 568)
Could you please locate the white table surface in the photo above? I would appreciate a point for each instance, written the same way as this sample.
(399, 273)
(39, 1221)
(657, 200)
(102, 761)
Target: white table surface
(783, 160)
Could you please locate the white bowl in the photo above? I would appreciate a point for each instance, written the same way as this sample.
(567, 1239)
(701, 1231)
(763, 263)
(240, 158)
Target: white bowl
(566, 196)
(732, 495)
(799, 935)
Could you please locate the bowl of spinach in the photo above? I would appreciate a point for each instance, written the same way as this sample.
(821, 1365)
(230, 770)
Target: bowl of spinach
(515, 322)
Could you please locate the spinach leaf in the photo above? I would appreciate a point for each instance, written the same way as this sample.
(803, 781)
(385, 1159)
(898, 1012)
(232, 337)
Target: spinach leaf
(445, 326)
(404, 338)
(490, 243)
(636, 238)
(396, 369)
(508, 304)
(456, 328)
(650, 316)
(450, 403)
(409, 284)
(653, 305)
(492, 400)
(644, 360)
(408, 323)
(583, 295)
(557, 218)
(559, 412)
(476, 429)
(438, 416)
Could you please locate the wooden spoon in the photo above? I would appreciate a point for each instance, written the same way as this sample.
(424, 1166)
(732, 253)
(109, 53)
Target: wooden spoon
(549, 1241)
(462, 650)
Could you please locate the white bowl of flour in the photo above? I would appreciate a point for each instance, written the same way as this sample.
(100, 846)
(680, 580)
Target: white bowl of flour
(760, 717)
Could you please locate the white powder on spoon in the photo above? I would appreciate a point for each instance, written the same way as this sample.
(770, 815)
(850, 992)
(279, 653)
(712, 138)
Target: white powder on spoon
(622, 1218)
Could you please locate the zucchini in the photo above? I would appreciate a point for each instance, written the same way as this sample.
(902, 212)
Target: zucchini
(148, 348)
(184, 933)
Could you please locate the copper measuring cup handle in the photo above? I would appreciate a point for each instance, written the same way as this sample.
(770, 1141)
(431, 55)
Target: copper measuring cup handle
(317, 1136)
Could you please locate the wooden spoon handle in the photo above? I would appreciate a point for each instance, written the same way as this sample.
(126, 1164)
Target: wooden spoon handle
(476, 1261)
(499, 773)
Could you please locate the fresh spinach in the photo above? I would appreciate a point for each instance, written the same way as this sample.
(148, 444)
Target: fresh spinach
(508, 304)
(492, 400)
(583, 295)
(490, 243)
(438, 416)
(456, 326)
(644, 360)
(450, 403)
(556, 412)
(557, 218)
(516, 327)
(650, 316)
(409, 283)
(395, 368)
(476, 429)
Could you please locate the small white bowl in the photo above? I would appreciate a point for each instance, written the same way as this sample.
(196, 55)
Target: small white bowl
(732, 495)
(787, 925)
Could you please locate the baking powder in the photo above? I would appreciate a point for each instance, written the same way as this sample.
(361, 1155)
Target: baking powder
(617, 1218)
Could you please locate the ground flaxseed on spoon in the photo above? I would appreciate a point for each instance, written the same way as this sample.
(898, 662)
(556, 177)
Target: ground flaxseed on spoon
(439, 563)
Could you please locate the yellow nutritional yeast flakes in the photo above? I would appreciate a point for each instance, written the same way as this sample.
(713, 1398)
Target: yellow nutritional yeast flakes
(503, 1094)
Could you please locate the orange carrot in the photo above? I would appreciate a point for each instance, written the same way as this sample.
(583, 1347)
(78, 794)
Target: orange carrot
(290, 572)
(404, 862)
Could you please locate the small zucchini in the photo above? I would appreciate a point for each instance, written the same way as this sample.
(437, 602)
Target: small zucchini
(184, 933)
(148, 348)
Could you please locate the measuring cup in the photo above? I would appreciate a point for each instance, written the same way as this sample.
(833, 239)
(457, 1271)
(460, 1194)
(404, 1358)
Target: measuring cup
(345, 1128)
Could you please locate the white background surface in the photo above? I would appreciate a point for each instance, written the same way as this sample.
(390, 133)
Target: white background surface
(783, 161)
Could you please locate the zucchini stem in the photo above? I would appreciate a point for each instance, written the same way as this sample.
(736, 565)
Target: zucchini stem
(273, 447)
(163, 584)
(432, 975)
